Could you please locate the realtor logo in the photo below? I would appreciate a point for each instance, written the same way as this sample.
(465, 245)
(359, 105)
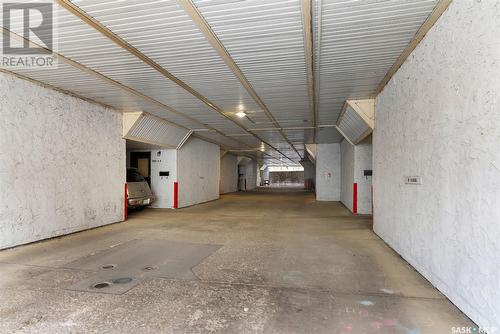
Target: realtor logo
(28, 38)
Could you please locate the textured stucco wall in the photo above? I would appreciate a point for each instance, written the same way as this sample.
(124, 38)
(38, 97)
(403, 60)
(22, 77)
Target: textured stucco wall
(347, 174)
(363, 161)
(161, 186)
(265, 173)
(439, 118)
(198, 172)
(228, 174)
(62, 163)
(355, 160)
(328, 172)
(251, 174)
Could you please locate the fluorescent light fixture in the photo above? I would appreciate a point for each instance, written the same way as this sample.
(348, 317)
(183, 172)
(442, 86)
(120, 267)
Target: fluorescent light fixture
(241, 114)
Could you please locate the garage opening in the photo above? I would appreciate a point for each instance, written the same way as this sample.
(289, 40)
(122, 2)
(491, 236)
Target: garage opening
(284, 176)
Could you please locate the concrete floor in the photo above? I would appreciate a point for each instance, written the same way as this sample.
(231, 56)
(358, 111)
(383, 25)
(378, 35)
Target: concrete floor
(287, 264)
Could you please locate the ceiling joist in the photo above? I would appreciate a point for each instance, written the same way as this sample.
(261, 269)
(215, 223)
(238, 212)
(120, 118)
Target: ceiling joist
(119, 85)
(308, 46)
(212, 38)
(78, 12)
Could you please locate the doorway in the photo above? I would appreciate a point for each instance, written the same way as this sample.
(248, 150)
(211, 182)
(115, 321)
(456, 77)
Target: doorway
(142, 161)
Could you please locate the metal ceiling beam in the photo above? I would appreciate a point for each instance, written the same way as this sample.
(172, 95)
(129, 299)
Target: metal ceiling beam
(206, 29)
(75, 10)
(422, 31)
(84, 98)
(112, 82)
(317, 65)
(308, 47)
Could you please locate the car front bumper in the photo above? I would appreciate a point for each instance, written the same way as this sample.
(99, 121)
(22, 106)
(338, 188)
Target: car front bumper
(142, 201)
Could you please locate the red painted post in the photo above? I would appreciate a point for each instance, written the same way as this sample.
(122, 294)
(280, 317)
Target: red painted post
(176, 195)
(125, 204)
(355, 198)
(373, 214)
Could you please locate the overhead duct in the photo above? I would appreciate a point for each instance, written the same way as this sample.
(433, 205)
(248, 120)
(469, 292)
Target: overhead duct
(356, 120)
(311, 152)
(146, 128)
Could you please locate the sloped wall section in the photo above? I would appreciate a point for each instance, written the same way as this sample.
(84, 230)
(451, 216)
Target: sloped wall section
(62, 163)
(438, 118)
(228, 174)
(198, 172)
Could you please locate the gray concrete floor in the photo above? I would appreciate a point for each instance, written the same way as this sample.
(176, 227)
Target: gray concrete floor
(287, 264)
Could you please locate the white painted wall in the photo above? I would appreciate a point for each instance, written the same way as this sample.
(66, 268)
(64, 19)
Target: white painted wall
(251, 174)
(328, 172)
(62, 163)
(355, 160)
(347, 173)
(198, 172)
(248, 170)
(161, 186)
(228, 174)
(439, 118)
(363, 161)
(265, 173)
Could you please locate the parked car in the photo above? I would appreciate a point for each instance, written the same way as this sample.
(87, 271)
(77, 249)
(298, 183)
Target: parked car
(139, 194)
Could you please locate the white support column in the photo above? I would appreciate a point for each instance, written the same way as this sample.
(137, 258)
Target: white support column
(328, 172)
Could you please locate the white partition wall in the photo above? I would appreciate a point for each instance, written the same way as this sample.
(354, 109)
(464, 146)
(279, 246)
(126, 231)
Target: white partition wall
(162, 160)
(228, 174)
(328, 172)
(438, 120)
(249, 171)
(198, 172)
(62, 163)
(356, 190)
(347, 178)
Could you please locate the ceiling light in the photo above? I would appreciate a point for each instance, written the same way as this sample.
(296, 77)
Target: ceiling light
(241, 114)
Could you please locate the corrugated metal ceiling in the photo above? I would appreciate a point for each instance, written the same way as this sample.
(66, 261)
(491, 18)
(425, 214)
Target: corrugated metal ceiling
(358, 43)
(355, 43)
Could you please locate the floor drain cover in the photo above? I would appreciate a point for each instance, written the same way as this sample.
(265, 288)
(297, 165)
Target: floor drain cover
(108, 266)
(101, 285)
(122, 280)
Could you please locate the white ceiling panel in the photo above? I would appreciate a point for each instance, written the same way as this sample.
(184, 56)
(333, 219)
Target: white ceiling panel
(80, 42)
(356, 43)
(164, 32)
(266, 40)
(73, 80)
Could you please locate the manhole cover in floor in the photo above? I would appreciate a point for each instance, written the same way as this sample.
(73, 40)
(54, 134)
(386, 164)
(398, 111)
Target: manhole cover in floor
(101, 285)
